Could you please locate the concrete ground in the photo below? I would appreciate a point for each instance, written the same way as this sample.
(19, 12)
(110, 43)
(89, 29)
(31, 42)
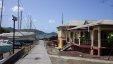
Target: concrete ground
(37, 55)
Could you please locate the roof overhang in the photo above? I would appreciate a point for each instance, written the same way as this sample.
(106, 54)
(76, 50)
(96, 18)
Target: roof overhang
(85, 26)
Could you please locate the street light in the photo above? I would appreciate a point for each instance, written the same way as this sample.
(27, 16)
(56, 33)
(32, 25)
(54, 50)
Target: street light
(14, 19)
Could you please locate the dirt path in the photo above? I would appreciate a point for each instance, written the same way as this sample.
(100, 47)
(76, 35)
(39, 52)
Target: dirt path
(68, 60)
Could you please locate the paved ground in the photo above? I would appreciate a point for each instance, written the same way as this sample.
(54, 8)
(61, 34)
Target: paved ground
(38, 55)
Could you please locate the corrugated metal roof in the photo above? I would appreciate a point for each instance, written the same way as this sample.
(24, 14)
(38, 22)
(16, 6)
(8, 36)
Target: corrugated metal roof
(74, 23)
(77, 22)
(18, 34)
(99, 22)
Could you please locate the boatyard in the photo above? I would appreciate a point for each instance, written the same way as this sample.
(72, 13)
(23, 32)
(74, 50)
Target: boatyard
(56, 32)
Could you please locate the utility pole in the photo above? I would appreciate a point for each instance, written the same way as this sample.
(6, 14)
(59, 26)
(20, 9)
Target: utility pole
(14, 19)
(21, 20)
(18, 15)
(1, 16)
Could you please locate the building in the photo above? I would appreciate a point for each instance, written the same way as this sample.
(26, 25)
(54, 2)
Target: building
(63, 32)
(88, 36)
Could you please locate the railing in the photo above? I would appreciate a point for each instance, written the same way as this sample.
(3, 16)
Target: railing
(95, 42)
(64, 42)
(104, 43)
(76, 41)
(86, 42)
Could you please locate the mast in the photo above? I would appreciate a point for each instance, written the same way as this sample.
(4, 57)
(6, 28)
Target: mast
(21, 20)
(18, 14)
(62, 18)
(1, 16)
(30, 23)
(27, 22)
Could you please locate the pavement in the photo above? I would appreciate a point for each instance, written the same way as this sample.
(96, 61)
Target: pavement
(37, 55)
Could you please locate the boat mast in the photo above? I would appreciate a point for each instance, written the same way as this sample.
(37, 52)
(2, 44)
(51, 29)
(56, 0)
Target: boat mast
(62, 18)
(1, 15)
(18, 15)
(21, 20)
(30, 23)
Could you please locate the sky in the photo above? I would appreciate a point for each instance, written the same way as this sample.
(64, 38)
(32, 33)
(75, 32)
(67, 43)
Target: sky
(46, 15)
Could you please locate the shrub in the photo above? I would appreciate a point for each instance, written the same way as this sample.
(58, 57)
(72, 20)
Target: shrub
(110, 37)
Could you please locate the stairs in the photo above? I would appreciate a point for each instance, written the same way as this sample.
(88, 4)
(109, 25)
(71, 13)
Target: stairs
(66, 46)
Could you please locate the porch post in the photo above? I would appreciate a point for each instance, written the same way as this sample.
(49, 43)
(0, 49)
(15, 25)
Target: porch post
(99, 41)
(79, 36)
(73, 36)
(69, 36)
(66, 35)
(60, 44)
(92, 42)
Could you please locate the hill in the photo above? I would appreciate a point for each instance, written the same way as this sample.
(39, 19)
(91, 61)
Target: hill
(40, 34)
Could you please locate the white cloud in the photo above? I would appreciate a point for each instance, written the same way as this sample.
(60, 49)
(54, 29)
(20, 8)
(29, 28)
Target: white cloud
(51, 21)
(15, 8)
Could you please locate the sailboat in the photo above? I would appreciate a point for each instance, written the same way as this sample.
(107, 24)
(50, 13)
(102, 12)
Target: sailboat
(5, 46)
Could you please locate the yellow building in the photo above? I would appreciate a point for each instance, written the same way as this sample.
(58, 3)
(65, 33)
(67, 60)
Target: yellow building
(62, 31)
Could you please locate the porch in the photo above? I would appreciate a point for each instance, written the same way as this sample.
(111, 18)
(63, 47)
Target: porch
(93, 42)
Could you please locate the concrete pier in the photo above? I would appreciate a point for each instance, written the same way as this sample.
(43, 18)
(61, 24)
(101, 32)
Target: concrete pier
(38, 55)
